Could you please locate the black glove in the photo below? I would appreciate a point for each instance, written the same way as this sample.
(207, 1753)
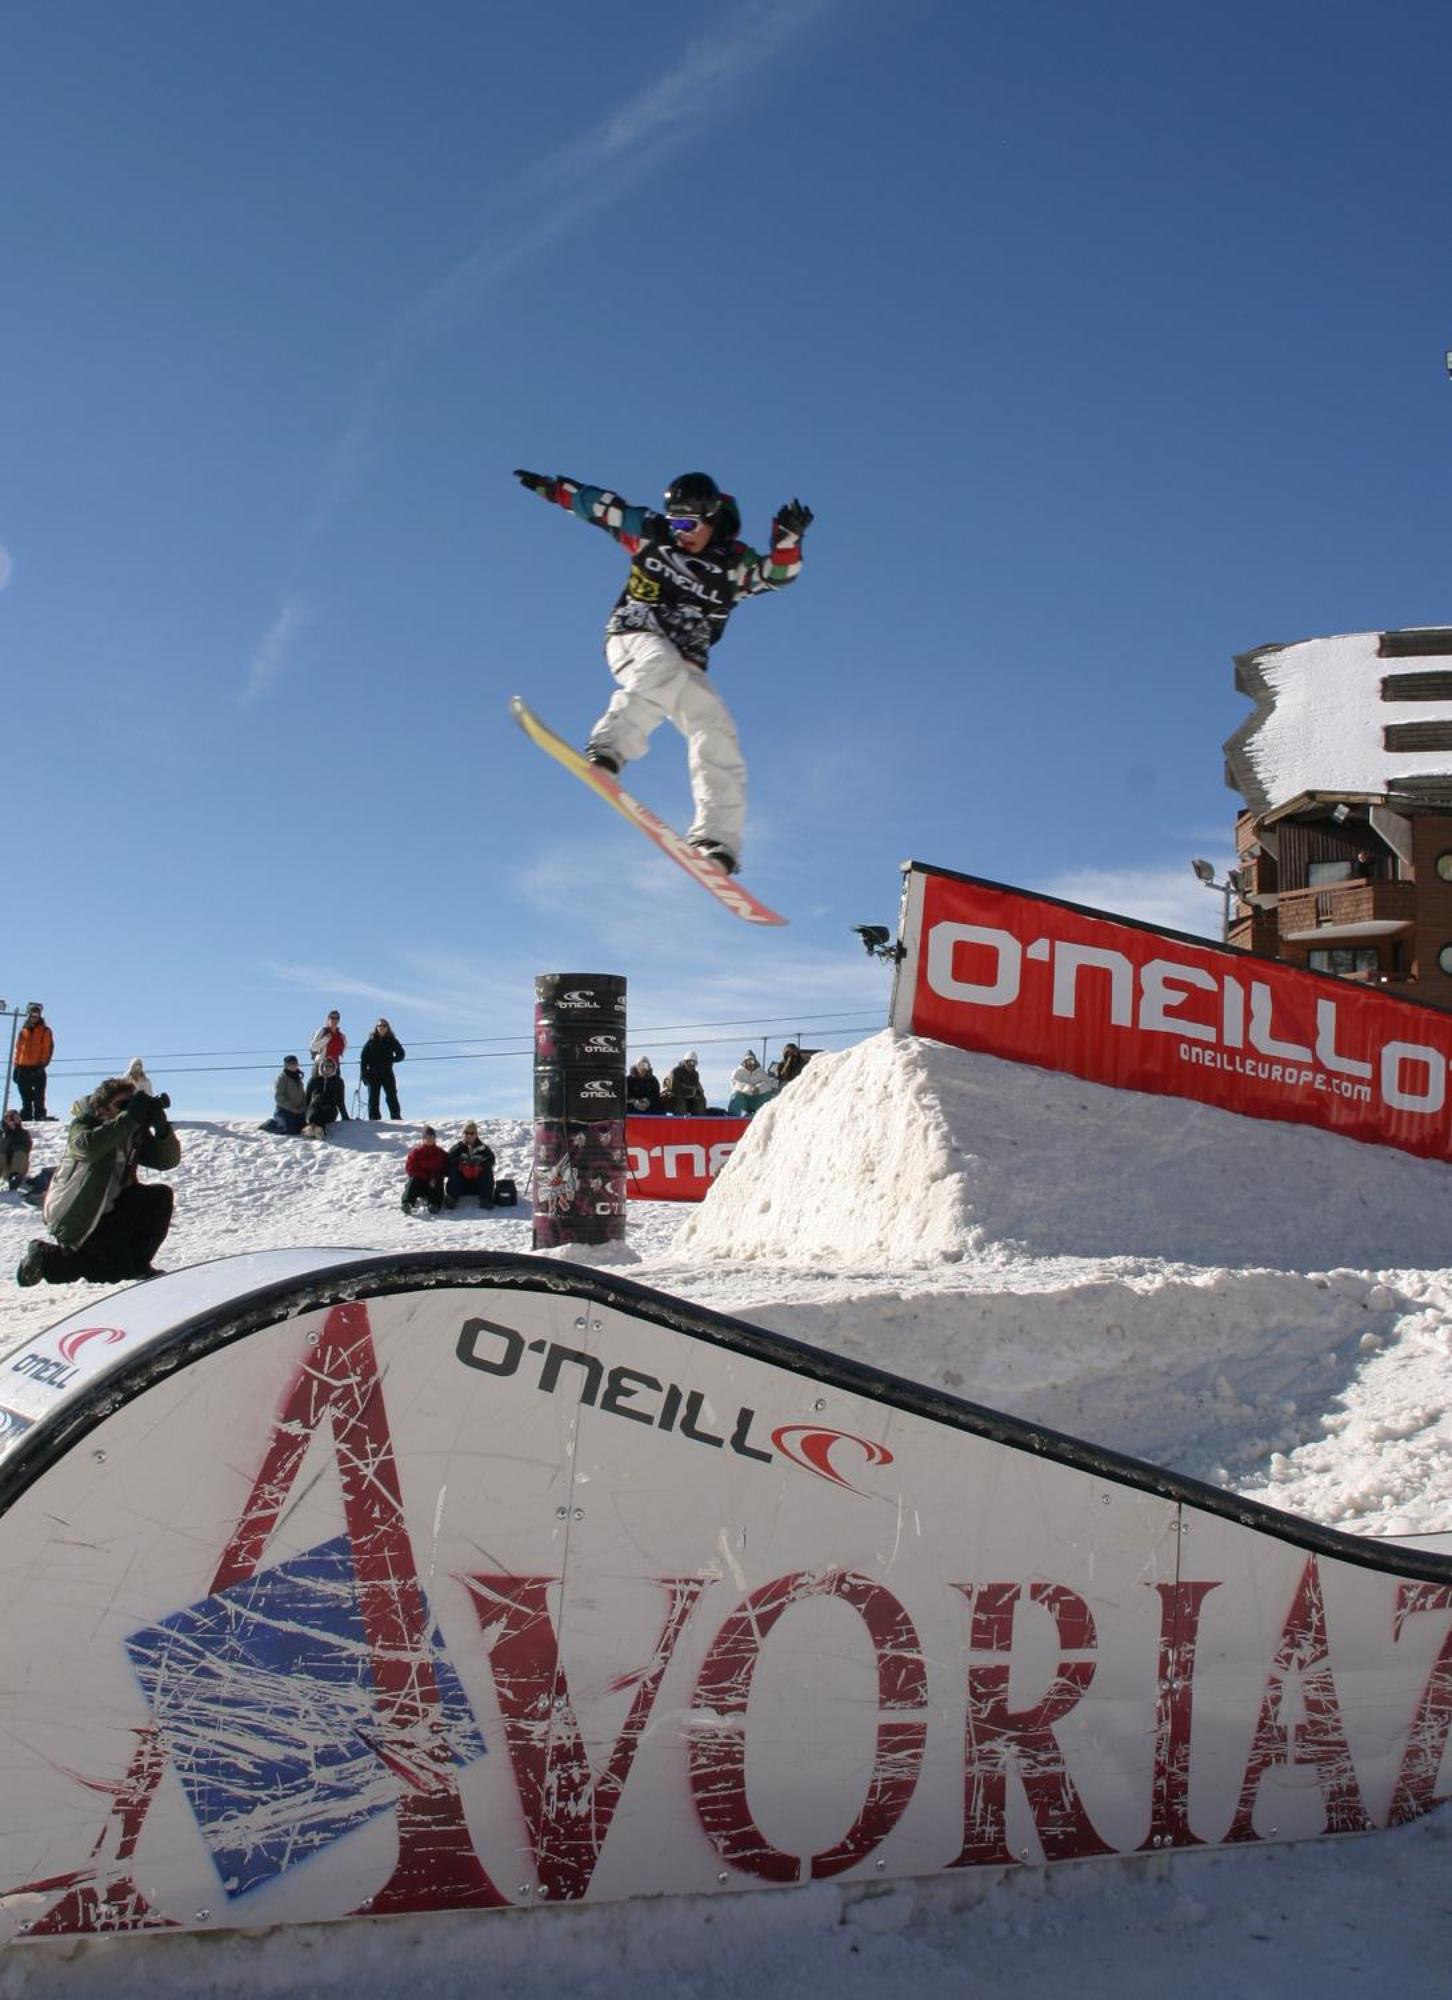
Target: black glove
(535, 482)
(793, 519)
(141, 1108)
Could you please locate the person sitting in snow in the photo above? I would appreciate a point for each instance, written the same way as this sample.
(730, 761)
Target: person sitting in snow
(750, 1087)
(426, 1166)
(790, 1063)
(289, 1100)
(682, 1093)
(324, 1099)
(642, 1088)
(14, 1151)
(471, 1170)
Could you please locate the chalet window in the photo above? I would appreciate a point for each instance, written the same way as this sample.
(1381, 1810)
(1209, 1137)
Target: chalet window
(1417, 736)
(1320, 874)
(1421, 644)
(1347, 961)
(1428, 790)
(1433, 685)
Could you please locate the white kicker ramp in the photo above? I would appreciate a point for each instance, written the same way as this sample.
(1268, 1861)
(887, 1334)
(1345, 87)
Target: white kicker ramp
(338, 1583)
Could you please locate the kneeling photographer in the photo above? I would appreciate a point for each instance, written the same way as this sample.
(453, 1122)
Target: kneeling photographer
(107, 1224)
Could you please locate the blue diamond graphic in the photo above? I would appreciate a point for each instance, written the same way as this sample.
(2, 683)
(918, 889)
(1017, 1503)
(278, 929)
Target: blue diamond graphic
(265, 1702)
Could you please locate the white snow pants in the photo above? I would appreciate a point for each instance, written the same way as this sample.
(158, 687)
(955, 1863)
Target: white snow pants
(654, 684)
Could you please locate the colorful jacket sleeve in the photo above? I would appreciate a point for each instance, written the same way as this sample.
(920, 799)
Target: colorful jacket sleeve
(781, 565)
(601, 508)
(751, 572)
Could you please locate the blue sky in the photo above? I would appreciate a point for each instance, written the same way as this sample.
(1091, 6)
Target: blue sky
(1106, 342)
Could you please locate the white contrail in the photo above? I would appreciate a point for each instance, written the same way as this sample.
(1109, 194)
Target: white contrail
(545, 202)
(268, 659)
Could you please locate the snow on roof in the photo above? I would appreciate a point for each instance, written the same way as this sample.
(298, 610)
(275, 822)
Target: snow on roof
(1320, 719)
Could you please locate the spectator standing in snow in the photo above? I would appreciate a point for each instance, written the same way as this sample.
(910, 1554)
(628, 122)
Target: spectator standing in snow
(34, 1047)
(750, 1087)
(289, 1100)
(375, 1068)
(330, 1041)
(682, 1093)
(136, 1070)
(426, 1166)
(324, 1100)
(14, 1151)
(471, 1170)
(107, 1224)
(642, 1088)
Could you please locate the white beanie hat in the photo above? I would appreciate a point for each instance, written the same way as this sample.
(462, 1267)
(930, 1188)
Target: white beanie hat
(690, 1056)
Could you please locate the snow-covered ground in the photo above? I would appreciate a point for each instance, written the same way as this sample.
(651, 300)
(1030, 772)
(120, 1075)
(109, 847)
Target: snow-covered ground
(1261, 1305)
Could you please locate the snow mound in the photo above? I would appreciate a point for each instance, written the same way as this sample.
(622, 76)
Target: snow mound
(854, 1158)
(906, 1152)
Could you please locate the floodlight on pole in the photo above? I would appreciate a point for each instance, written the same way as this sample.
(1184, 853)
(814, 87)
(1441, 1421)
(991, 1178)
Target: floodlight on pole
(1230, 889)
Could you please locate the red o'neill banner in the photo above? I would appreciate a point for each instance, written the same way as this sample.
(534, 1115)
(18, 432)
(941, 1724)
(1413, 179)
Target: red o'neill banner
(1038, 981)
(676, 1159)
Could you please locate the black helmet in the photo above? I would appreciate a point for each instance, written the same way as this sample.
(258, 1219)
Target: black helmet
(693, 493)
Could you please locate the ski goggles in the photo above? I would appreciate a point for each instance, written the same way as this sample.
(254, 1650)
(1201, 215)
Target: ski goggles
(684, 524)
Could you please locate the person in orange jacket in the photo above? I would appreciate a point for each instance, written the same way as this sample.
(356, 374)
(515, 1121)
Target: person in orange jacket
(34, 1047)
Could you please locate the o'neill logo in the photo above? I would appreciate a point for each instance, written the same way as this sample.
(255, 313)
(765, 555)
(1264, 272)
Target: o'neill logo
(70, 1344)
(813, 1448)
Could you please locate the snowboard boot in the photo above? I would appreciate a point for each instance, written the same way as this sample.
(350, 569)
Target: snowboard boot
(32, 1264)
(712, 850)
(603, 760)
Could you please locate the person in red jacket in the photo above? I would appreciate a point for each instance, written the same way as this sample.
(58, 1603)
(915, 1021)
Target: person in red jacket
(34, 1047)
(426, 1166)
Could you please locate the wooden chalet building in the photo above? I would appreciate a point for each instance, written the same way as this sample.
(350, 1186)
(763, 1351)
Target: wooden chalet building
(1344, 849)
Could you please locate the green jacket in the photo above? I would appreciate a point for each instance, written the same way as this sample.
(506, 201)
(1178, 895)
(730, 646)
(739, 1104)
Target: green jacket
(102, 1155)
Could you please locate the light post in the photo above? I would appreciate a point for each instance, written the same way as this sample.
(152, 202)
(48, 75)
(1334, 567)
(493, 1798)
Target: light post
(13, 1015)
(1230, 889)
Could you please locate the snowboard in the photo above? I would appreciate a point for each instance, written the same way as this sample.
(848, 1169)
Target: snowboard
(730, 893)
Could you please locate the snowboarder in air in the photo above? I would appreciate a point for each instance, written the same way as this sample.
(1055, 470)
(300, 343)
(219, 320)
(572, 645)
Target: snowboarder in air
(687, 572)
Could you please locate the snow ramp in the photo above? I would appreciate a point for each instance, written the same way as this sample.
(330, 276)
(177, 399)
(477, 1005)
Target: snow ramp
(905, 1153)
(341, 1584)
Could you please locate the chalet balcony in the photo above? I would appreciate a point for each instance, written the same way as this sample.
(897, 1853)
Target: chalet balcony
(1345, 911)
